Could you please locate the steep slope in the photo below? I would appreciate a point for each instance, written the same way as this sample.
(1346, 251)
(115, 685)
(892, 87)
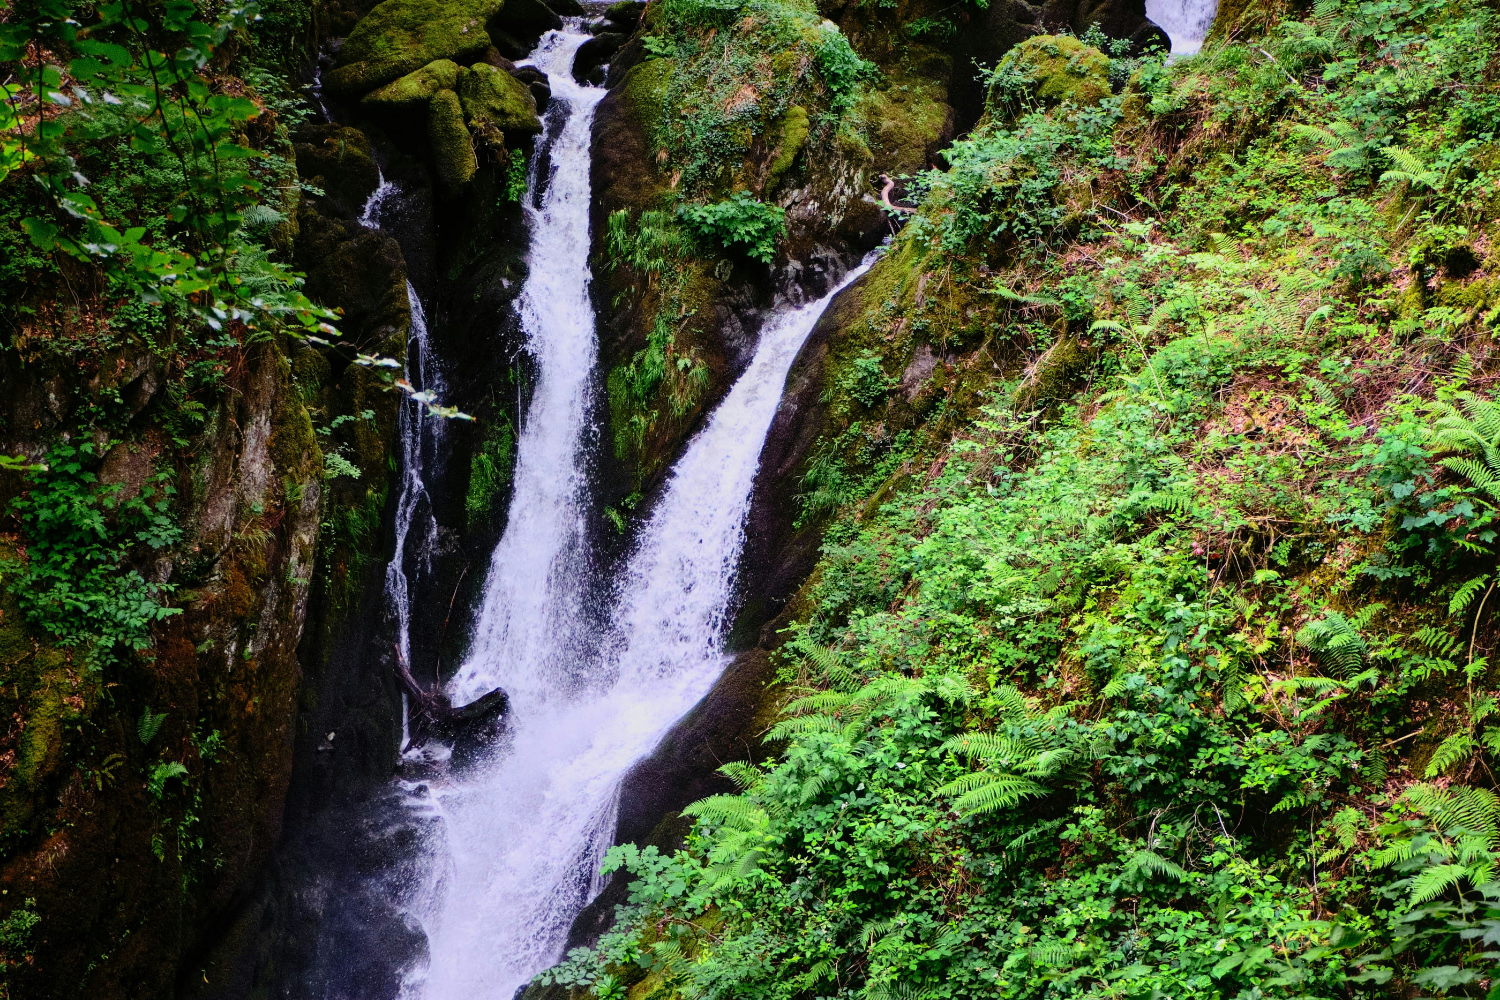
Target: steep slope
(1146, 483)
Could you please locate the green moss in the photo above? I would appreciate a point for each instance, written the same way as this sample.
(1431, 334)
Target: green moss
(490, 470)
(494, 96)
(400, 36)
(1059, 69)
(452, 149)
(900, 120)
(794, 129)
(415, 89)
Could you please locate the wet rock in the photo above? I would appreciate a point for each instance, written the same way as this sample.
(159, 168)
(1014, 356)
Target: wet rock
(594, 53)
(338, 160)
(495, 96)
(526, 19)
(414, 89)
(452, 148)
(400, 36)
(624, 16)
(535, 81)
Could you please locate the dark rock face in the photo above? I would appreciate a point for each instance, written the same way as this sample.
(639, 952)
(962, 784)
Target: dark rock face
(588, 66)
(119, 895)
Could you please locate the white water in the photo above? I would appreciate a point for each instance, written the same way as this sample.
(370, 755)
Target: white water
(369, 215)
(419, 434)
(1186, 22)
(531, 616)
(518, 838)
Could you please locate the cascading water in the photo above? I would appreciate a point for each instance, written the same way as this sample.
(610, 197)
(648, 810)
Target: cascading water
(1186, 22)
(525, 834)
(419, 434)
(531, 617)
(516, 838)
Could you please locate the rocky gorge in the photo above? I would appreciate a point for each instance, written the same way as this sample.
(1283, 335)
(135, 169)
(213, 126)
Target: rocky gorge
(445, 398)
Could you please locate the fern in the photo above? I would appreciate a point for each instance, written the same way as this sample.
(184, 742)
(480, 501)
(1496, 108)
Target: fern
(148, 725)
(1434, 881)
(988, 791)
(802, 724)
(744, 775)
(1409, 169)
(1149, 862)
(1337, 643)
(732, 811)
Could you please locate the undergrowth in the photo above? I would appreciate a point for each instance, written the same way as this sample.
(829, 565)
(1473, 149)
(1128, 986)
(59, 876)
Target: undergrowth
(1153, 659)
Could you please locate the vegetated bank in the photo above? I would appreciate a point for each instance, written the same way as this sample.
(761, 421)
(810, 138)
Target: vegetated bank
(1152, 476)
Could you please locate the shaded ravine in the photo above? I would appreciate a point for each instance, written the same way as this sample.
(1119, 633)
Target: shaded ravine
(514, 839)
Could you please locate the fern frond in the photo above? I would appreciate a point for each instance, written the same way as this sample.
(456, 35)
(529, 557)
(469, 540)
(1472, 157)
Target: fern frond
(1432, 882)
(1154, 864)
(1476, 472)
(987, 792)
(148, 725)
(788, 728)
(1466, 593)
(745, 775)
(988, 747)
(733, 811)
(822, 702)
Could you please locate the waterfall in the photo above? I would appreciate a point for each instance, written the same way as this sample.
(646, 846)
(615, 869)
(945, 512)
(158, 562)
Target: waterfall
(419, 433)
(515, 839)
(532, 616)
(1186, 22)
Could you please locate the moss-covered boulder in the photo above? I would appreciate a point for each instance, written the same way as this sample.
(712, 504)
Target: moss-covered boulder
(452, 149)
(1057, 69)
(415, 89)
(792, 133)
(493, 96)
(400, 36)
(338, 160)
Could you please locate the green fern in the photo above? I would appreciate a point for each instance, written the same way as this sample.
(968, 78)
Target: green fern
(734, 812)
(744, 775)
(148, 725)
(987, 791)
(1337, 643)
(1434, 881)
(1409, 169)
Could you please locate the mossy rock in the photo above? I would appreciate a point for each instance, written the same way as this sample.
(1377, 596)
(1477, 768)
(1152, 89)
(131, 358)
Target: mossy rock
(400, 36)
(452, 149)
(493, 95)
(1060, 69)
(415, 89)
(339, 160)
(794, 127)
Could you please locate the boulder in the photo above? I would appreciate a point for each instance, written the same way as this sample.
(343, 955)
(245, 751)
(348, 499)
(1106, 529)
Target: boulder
(1059, 69)
(493, 95)
(536, 81)
(625, 15)
(452, 149)
(400, 36)
(567, 8)
(594, 53)
(337, 159)
(525, 18)
(415, 89)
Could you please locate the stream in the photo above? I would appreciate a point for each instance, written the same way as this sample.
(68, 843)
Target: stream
(510, 839)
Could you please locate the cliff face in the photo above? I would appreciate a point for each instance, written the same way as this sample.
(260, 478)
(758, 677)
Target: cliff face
(195, 658)
(142, 789)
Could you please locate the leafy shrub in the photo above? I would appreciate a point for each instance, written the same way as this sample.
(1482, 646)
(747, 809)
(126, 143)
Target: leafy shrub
(738, 222)
(79, 533)
(841, 66)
